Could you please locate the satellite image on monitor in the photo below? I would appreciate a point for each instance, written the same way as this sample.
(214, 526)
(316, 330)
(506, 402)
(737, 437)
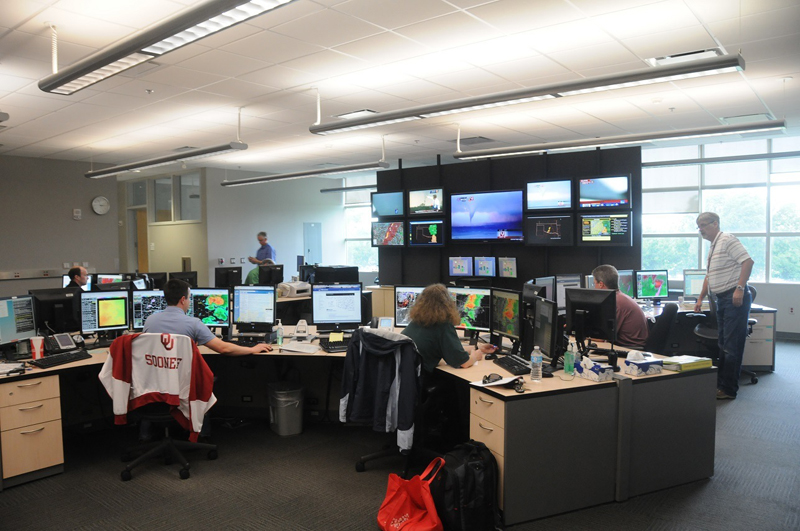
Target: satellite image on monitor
(212, 310)
(505, 314)
(474, 310)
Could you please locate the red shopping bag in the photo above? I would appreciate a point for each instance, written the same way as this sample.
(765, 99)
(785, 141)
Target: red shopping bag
(408, 503)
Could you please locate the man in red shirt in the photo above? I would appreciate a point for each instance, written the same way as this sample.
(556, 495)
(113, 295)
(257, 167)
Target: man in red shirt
(631, 321)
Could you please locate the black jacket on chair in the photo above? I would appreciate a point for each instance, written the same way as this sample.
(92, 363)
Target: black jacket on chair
(380, 382)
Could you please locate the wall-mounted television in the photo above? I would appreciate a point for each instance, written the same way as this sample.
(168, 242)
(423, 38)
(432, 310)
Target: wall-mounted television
(387, 204)
(426, 233)
(547, 195)
(549, 230)
(486, 216)
(388, 234)
(605, 230)
(426, 202)
(605, 192)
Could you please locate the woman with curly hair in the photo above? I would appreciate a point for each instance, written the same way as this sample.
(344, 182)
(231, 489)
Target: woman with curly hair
(432, 327)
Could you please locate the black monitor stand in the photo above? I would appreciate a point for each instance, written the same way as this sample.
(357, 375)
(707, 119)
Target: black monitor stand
(584, 348)
(105, 338)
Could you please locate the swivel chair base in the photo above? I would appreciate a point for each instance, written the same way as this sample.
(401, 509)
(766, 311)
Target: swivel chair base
(169, 449)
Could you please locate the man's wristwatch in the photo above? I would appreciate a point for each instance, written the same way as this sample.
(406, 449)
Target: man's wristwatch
(740, 287)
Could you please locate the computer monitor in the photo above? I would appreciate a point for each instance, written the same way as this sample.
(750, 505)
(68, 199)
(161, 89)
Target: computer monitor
(652, 284)
(305, 273)
(270, 275)
(425, 202)
(554, 231)
(140, 283)
(505, 321)
(605, 192)
(387, 204)
(17, 322)
(404, 298)
(57, 310)
(589, 281)
(591, 313)
(612, 229)
(186, 276)
(549, 195)
(460, 266)
(145, 303)
(211, 306)
(254, 308)
(114, 286)
(65, 280)
(530, 291)
(549, 285)
(104, 311)
(227, 277)
(547, 330)
(494, 216)
(485, 266)
(109, 278)
(157, 280)
(507, 267)
(627, 282)
(562, 283)
(336, 273)
(388, 234)
(336, 307)
(693, 280)
(474, 305)
(426, 233)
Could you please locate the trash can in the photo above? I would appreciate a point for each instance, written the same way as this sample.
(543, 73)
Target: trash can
(286, 408)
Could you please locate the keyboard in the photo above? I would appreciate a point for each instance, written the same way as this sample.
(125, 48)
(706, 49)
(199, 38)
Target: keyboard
(513, 364)
(333, 346)
(297, 346)
(53, 360)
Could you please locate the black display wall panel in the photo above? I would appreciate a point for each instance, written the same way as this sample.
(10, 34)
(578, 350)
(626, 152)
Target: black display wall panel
(426, 266)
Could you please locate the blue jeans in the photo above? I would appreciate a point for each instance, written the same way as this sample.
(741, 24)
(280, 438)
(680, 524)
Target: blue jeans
(732, 326)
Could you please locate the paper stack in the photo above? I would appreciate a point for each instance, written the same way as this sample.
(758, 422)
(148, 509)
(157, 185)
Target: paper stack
(686, 363)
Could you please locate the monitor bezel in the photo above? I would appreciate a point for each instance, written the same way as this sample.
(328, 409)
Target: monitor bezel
(461, 326)
(254, 324)
(440, 222)
(583, 207)
(103, 295)
(570, 184)
(372, 240)
(497, 240)
(190, 311)
(17, 339)
(330, 325)
(520, 310)
(143, 292)
(441, 212)
(579, 226)
(567, 241)
(656, 271)
(380, 216)
(397, 321)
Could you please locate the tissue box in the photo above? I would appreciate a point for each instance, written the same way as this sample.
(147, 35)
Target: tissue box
(643, 367)
(595, 372)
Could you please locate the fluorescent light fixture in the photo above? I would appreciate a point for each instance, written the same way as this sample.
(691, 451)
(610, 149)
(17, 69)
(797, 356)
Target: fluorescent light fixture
(622, 140)
(683, 57)
(310, 173)
(201, 20)
(168, 159)
(644, 76)
(357, 114)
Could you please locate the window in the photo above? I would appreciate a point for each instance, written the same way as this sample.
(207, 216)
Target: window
(358, 213)
(756, 201)
(137, 193)
(177, 198)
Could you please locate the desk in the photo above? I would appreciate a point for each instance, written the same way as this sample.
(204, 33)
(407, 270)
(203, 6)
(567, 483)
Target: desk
(569, 445)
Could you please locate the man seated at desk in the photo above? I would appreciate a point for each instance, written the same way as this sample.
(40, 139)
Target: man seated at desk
(78, 277)
(173, 320)
(631, 321)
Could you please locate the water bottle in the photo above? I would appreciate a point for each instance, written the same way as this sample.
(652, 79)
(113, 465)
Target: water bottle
(536, 365)
(279, 334)
(569, 359)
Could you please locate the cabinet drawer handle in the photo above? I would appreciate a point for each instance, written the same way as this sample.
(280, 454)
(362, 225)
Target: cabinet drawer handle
(30, 384)
(32, 407)
(32, 431)
(485, 401)
(484, 427)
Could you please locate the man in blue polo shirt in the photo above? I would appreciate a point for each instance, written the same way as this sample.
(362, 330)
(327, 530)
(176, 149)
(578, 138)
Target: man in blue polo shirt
(265, 252)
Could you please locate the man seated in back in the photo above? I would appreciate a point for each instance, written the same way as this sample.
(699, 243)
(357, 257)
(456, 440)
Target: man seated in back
(173, 320)
(631, 321)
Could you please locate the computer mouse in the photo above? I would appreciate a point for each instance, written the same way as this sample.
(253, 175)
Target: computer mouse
(489, 356)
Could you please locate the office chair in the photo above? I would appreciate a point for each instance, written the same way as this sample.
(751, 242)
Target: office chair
(659, 333)
(377, 361)
(708, 335)
(165, 378)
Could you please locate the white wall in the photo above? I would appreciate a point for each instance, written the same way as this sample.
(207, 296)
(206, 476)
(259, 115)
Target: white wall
(237, 214)
(37, 197)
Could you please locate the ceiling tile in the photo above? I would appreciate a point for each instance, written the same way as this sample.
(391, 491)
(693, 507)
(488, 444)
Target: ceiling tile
(461, 30)
(271, 47)
(512, 16)
(327, 28)
(644, 20)
(392, 14)
(688, 39)
(581, 59)
(236, 88)
(383, 47)
(223, 63)
(181, 77)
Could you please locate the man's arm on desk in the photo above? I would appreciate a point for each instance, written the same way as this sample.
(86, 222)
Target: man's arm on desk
(229, 349)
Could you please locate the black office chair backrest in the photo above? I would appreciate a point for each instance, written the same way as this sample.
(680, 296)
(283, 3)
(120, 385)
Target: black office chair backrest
(657, 338)
(753, 292)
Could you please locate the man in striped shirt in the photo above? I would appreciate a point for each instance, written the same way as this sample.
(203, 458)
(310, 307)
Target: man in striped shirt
(729, 266)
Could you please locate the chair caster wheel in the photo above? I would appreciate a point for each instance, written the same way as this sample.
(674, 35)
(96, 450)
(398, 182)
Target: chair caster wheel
(126, 475)
(754, 380)
(360, 467)
(212, 454)
(184, 473)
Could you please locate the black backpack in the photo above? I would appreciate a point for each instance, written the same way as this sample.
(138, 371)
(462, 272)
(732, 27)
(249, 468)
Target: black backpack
(465, 489)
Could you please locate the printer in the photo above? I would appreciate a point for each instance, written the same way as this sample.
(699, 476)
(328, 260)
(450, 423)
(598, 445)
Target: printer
(294, 289)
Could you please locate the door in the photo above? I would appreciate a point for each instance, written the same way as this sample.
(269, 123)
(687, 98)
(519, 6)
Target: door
(312, 243)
